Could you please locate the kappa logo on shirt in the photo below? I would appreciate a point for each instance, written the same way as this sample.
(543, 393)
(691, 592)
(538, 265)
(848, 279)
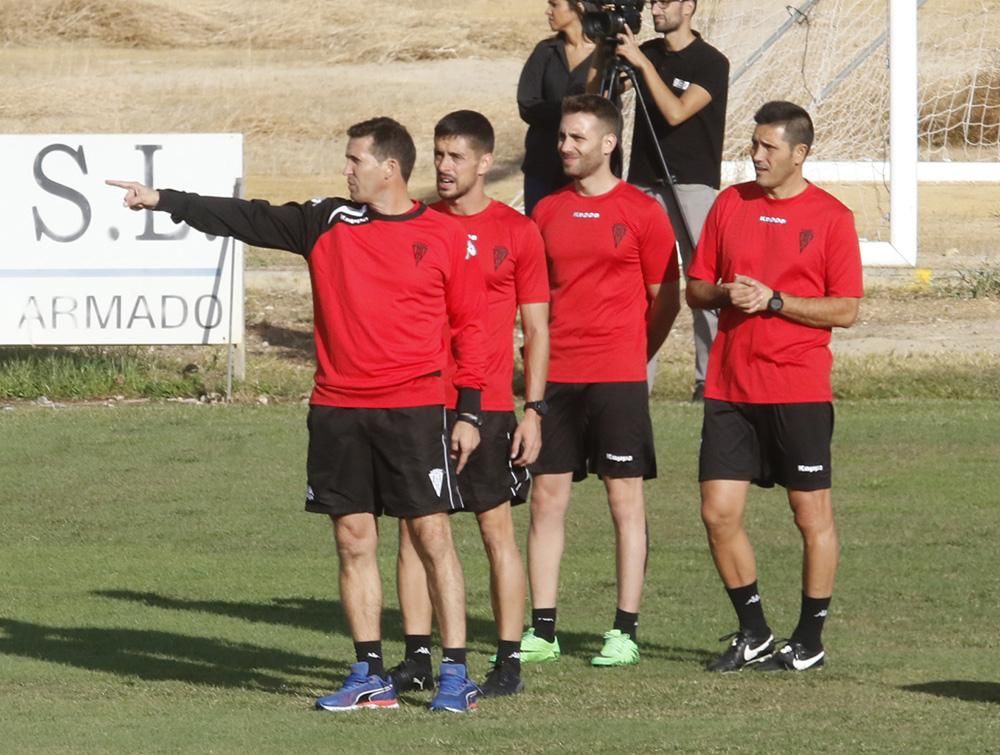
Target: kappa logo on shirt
(618, 233)
(770, 219)
(804, 238)
(419, 250)
(346, 214)
(499, 255)
(587, 215)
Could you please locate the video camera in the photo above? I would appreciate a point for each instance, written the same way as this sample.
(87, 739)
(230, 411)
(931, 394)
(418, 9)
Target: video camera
(603, 22)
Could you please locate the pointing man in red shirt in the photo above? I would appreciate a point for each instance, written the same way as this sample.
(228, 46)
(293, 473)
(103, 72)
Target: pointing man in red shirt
(614, 284)
(388, 275)
(780, 258)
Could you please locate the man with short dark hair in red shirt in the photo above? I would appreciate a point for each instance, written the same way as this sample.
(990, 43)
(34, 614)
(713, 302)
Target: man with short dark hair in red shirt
(780, 258)
(388, 275)
(614, 295)
(510, 252)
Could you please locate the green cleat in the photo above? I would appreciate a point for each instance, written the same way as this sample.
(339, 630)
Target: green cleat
(535, 649)
(619, 650)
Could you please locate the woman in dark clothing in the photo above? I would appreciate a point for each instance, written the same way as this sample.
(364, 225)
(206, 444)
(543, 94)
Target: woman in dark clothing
(557, 67)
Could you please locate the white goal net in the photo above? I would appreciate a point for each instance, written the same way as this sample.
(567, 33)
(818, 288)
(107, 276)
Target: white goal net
(832, 57)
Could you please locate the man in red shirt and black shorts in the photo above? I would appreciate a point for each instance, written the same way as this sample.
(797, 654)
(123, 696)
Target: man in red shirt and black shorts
(509, 250)
(614, 295)
(780, 258)
(388, 276)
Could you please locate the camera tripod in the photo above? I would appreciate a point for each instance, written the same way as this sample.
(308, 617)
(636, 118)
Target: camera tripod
(611, 80)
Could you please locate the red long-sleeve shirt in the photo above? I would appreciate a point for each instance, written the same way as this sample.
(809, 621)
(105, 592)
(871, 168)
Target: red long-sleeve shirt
(384, 287)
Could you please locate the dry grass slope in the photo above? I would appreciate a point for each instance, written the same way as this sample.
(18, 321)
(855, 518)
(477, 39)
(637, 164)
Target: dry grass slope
(347, 32)
(106, 22)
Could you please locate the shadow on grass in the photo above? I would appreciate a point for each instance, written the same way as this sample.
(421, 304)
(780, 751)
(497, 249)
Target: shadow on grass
(975, 692)
(328, 616)
(165, 656)
(298, 342)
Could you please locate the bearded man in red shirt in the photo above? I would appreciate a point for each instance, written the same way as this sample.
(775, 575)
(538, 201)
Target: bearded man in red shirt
(614, 286)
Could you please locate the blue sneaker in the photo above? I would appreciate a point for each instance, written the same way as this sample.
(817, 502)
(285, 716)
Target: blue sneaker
(457, 693)
(360, 690)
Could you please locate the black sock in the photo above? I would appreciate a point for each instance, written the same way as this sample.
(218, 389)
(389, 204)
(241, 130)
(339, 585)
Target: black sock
(811, 619)
(418, 648)
(543, 620)
(627, 623)
(453, 655)
(509, 654)
(370, 653)
(750, 611)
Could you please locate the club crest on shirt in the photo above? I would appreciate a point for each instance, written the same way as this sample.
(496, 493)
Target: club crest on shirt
(804, 238)
(499, 255)
(419, 250)
(618, 232)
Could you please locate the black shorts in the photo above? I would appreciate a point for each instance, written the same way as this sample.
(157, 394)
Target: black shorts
(787, 444)
(489, 478)
(380, 461)
(602, 428)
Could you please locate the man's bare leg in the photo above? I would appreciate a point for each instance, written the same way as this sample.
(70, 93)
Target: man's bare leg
(415, 671)
(722, 505)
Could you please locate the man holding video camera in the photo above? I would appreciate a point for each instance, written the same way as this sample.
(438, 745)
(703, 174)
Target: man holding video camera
(685, 82)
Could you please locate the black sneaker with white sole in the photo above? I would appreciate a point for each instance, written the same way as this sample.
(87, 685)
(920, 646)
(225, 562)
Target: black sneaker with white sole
(744, 650)
(412, 676)
(792, 657)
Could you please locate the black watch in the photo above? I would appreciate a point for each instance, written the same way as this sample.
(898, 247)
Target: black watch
(541, 408)
(775, 303)
(473, 419)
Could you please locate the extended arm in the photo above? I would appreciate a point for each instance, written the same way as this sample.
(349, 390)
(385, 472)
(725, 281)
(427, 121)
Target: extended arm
(292, 227)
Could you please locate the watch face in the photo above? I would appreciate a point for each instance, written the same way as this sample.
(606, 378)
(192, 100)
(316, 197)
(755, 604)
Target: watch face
(775, 303)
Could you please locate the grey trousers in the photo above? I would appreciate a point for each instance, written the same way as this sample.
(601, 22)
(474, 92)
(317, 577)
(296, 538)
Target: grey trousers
(695, 202)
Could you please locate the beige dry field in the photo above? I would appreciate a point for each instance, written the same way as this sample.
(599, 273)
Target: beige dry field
(292, 75)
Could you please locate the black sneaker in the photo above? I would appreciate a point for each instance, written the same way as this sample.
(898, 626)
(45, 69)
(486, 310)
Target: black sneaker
(792, 657)
(501, 681)
(742, 651)
(412, 676)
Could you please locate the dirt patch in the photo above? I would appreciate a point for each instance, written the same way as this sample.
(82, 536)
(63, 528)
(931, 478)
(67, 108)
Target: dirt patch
(923, 326)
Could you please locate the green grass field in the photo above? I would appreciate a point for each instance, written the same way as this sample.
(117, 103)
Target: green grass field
(163, 592)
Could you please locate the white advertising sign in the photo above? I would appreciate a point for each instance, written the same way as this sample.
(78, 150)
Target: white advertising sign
(77, 267)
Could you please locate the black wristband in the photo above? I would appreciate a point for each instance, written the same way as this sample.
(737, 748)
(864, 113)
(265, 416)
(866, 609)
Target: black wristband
(469, 401)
